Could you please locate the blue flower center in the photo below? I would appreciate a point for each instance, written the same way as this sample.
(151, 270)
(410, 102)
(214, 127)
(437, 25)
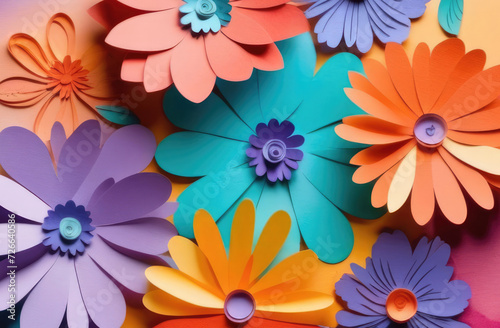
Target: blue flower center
(70, 228)
(205, 15)
(205, 8)
(274, 150)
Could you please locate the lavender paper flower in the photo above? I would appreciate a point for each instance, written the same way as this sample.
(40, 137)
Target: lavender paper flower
(403, 288)
(84, 227)
(356, 21)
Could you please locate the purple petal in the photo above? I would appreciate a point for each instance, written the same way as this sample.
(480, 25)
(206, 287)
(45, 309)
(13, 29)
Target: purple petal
(348, 319)
(77, 156)
(28, 235)
(370, 280)
(57, 139)
(330, 27)
(291, 164)
(99, 191)
(148, 235)
(283, 130)
(127, 151)
(22, 202)
(286, 171)
(364, 39)
(256, 141)
(131, 198)
(253, 152)
(127, 271)
(24, 258)
(163, 211)
(26, 159)
(389, 24)
(449, 299)
(413, 8)
(421, 320)
(272, 174)
(360, 298)
(261, 168)
(295, 154)
(351, 23)
(46, 304)
(294, 141)
(263, 131)
(95, 285)
(76, 314)
(320, 7)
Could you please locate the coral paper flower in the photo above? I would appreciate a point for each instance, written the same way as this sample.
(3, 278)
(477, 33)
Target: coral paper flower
(271, 139)
(402, 287)
(190, 43)
(240, 285)
(356, 21)
(84, 227)
(64, 85)
(433, 127)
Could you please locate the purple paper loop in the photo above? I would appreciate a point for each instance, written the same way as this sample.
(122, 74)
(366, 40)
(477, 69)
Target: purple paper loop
(239, 306)
(430, 130)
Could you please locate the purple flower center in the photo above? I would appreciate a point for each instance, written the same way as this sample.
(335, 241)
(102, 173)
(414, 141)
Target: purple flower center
(274, 150)
(67, 228)
(239, 306)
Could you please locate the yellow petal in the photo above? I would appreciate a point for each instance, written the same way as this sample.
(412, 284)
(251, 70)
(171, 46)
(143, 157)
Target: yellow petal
(284, 274)
(402, 182)
(210, 242)
(165, 304)
(271, 240)
(191, 260)
(183, 287)
(240, 248)
(301, 301)
(484, 158)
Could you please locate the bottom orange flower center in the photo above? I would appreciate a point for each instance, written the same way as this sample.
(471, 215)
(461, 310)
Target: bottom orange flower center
(401, 305)
(66, 79)
(430, 130)
(239, 306)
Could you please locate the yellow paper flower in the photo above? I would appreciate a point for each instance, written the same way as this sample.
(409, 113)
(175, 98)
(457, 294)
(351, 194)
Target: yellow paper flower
(243, 285)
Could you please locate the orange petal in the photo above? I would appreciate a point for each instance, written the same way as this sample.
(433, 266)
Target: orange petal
(265, 57)
(367, 173)
(421, 75)
(221, 321)
(475, 184)
(191, 71)
(399, 68)
(470, 65)
(151, 5)
(492, 179)
(374, 124)
(280, 23)
(486, 138)
(447, 190)
(29, 54)
(163, 303)
(155, 31)
(60, 35)
(374, 107)
(381, 188)
(157, 75)
(244, 29)
(133, 69)
(474, 94)
(367, 137)
(375, 153)
(258, 4)
(21, 91)
(379, 77)
(486, 119)
(422, 194)
(228, 59)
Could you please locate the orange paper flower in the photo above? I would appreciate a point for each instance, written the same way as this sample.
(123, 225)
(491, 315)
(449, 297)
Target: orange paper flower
(433, 126)
(63, 84)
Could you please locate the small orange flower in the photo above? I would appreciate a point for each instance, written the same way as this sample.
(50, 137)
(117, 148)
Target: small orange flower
(434, 126)
(64, 86)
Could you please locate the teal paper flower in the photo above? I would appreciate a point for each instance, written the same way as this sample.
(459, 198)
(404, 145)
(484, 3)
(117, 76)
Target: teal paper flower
(232, 128)
(206, 15)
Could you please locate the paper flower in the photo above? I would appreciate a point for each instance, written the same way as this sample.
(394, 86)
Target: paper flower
(65, 84)
(399, 286)
(356, 21)
(93, 224)
(190, 43)
(433, 128)
(242, 285)
(229, 139)
(450, 15)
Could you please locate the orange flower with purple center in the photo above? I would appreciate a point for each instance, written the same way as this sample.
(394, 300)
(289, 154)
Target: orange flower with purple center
(434, 127)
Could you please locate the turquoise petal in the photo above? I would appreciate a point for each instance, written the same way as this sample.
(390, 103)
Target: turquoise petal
(324, 228)
(334, 180)
(212, 116)
(215, 193)
(326, 102)
(276, 197)
(193, 154)
(282, 91)
(242, 97)
(450, 15)
(118, 115)
(226, 220)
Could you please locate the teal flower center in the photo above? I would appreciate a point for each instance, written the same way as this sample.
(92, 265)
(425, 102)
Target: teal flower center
(205, 15)
(70, 228)
(205, 8)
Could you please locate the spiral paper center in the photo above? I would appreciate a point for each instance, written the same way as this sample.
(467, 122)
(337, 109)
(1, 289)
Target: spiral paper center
(430, 130)
(70, 228)
(206, 8)
(401, 305)
(274, 151)
(239, 306)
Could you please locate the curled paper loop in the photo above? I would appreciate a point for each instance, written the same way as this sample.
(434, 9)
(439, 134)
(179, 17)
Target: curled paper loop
(239, 306)
(70, 228)
(274, 150)
(430, 130)
(205, 8)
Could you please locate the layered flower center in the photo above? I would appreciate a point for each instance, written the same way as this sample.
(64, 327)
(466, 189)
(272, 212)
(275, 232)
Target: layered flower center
(67, 228)
(275, 150)
(206, 15)
(239, 306)
(401, 305)
(430, 130)
(67, 77)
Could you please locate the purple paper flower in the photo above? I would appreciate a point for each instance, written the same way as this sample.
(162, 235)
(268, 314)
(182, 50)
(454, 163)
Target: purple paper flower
(274, 150)
(403, 288)
(84, 227)
(357, 20)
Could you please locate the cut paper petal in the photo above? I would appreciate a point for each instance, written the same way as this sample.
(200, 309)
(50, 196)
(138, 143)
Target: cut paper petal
(28, 52)
(57, 140)
(133, 69)
(151, 5)
(162, 303)
(304, 301)
(484, 158)
(422, 191)
(60, 27)
(156, 71)
(221, 321)
(118, 115)
(402, 182)
(450, 15)
(32, 235)
(243, 29)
